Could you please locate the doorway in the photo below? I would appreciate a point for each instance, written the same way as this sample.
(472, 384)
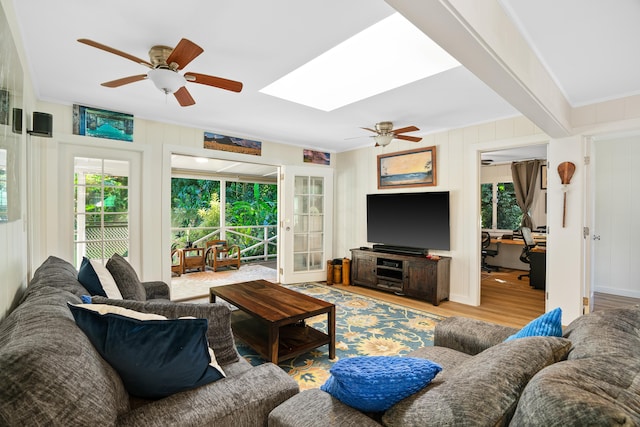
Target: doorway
(614, 209)
(215, 199)
(504, 276)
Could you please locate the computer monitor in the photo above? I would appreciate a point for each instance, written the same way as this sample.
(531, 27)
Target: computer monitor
(528, 238)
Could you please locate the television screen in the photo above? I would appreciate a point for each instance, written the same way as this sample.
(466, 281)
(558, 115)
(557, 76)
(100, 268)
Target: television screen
(415, 220)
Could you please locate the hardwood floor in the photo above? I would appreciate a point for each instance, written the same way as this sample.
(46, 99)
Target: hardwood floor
(503, 299)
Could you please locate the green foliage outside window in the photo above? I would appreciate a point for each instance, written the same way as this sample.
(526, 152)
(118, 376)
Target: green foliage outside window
(508, 213)
(486, 199)
(196, 203)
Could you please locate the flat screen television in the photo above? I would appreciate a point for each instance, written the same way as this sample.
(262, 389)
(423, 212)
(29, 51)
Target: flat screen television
(409, 220)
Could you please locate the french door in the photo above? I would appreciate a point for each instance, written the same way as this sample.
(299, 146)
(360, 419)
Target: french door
(306, 223)
(100, 214)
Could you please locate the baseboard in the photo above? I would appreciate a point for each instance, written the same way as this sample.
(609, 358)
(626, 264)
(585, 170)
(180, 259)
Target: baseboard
(618, 292)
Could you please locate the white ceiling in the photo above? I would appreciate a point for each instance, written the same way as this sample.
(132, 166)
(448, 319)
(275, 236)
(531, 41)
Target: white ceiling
(589, 48)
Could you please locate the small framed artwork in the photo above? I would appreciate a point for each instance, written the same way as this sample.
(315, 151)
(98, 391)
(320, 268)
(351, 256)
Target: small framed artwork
(543, 177)
(101, 123)
(411, 168)
(214, 141)
(317, 157)
(4, 107)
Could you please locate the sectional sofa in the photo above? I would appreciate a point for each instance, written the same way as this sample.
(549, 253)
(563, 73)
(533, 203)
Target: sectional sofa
(589, 377)
(51, 373)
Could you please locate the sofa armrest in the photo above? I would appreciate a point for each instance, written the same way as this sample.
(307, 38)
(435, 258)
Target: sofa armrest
(238, 401)
(316, 408)
(219, 331)
(156, 290)
(469, 336)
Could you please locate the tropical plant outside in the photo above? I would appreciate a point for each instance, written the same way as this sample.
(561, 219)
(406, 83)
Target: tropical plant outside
(196, 205)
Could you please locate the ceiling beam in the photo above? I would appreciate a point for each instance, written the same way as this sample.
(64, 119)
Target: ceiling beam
(483, 39)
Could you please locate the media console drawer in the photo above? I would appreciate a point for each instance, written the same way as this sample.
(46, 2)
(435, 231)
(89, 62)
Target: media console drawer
(412, 275)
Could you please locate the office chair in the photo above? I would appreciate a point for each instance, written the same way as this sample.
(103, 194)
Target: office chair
(529, 244)
(486, 252)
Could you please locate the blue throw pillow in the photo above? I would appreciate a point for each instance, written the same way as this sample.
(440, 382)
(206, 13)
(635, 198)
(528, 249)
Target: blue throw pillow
(89, 278)
(549, 324)
(154, 358)
(375, 383)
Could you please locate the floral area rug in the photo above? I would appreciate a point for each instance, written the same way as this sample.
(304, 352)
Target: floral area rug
(364, 327)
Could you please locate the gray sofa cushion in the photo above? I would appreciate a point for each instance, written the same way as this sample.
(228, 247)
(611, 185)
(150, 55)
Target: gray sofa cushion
(586, 392)
(56, 273)
(599, 384)
(50, 373)
(126, 278)
(469, 336)
(482, 390)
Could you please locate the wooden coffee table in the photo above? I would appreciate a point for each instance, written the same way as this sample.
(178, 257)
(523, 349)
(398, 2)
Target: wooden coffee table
(271, 317)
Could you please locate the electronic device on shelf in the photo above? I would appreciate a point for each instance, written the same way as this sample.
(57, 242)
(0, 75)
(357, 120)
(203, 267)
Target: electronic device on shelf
(409, 223)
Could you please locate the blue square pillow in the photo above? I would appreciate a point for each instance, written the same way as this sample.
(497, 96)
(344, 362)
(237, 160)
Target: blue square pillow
(375, 383)
(549, 324)
(154, 358)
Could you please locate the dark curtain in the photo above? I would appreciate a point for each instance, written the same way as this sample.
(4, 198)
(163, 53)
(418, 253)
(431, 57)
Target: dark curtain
(525, 175)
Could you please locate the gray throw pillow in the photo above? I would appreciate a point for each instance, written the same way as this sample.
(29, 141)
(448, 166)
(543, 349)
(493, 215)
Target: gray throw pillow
(482, 390)
(126, 278)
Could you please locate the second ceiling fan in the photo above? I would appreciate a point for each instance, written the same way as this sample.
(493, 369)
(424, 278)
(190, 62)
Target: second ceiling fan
(164, 63)
(385, 133)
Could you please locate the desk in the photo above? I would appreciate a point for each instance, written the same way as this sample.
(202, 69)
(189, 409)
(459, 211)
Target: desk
(509, 257)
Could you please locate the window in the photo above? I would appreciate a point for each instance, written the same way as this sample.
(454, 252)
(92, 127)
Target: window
(499, 208)
(101, 216)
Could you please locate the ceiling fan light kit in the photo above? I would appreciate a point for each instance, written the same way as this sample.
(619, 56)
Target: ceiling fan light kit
(167, 80)
(383, 140)
(385, 133)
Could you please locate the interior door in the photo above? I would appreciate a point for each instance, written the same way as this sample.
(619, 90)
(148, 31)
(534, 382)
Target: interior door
(616, 208)
(306, 223)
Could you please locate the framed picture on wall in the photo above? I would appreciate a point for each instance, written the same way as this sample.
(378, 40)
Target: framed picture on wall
(411, 168)
(543, 177)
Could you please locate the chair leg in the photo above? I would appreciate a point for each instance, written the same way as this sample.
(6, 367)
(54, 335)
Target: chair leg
(524, 275)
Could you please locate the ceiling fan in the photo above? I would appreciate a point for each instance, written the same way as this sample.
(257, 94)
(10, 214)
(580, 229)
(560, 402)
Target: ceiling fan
(385, 133)
(164, 63)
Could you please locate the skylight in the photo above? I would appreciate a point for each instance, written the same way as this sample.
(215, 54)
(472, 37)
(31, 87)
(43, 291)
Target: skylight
(387, 55)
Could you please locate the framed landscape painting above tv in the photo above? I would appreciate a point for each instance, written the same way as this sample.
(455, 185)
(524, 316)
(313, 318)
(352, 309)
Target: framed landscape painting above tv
(411, 168)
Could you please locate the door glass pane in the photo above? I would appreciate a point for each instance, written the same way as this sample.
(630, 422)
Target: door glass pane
(101, 225)
(308, 205)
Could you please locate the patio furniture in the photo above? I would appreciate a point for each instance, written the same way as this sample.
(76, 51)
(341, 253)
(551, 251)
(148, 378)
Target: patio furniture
(176, 261)
(219, 254)
(193, 259)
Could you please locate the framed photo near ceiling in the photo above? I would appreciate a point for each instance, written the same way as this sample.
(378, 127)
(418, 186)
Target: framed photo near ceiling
(101, 123)
(411, 168)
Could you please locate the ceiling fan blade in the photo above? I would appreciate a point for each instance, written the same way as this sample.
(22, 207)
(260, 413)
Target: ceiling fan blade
(219, 82)
(408, 138)
(370, 130)
(115, 52)
(184, 97)
(125, 80)
(407, 129)
(185, 52)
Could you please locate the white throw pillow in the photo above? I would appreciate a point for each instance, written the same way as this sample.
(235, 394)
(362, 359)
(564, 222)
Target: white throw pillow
(106, 280)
